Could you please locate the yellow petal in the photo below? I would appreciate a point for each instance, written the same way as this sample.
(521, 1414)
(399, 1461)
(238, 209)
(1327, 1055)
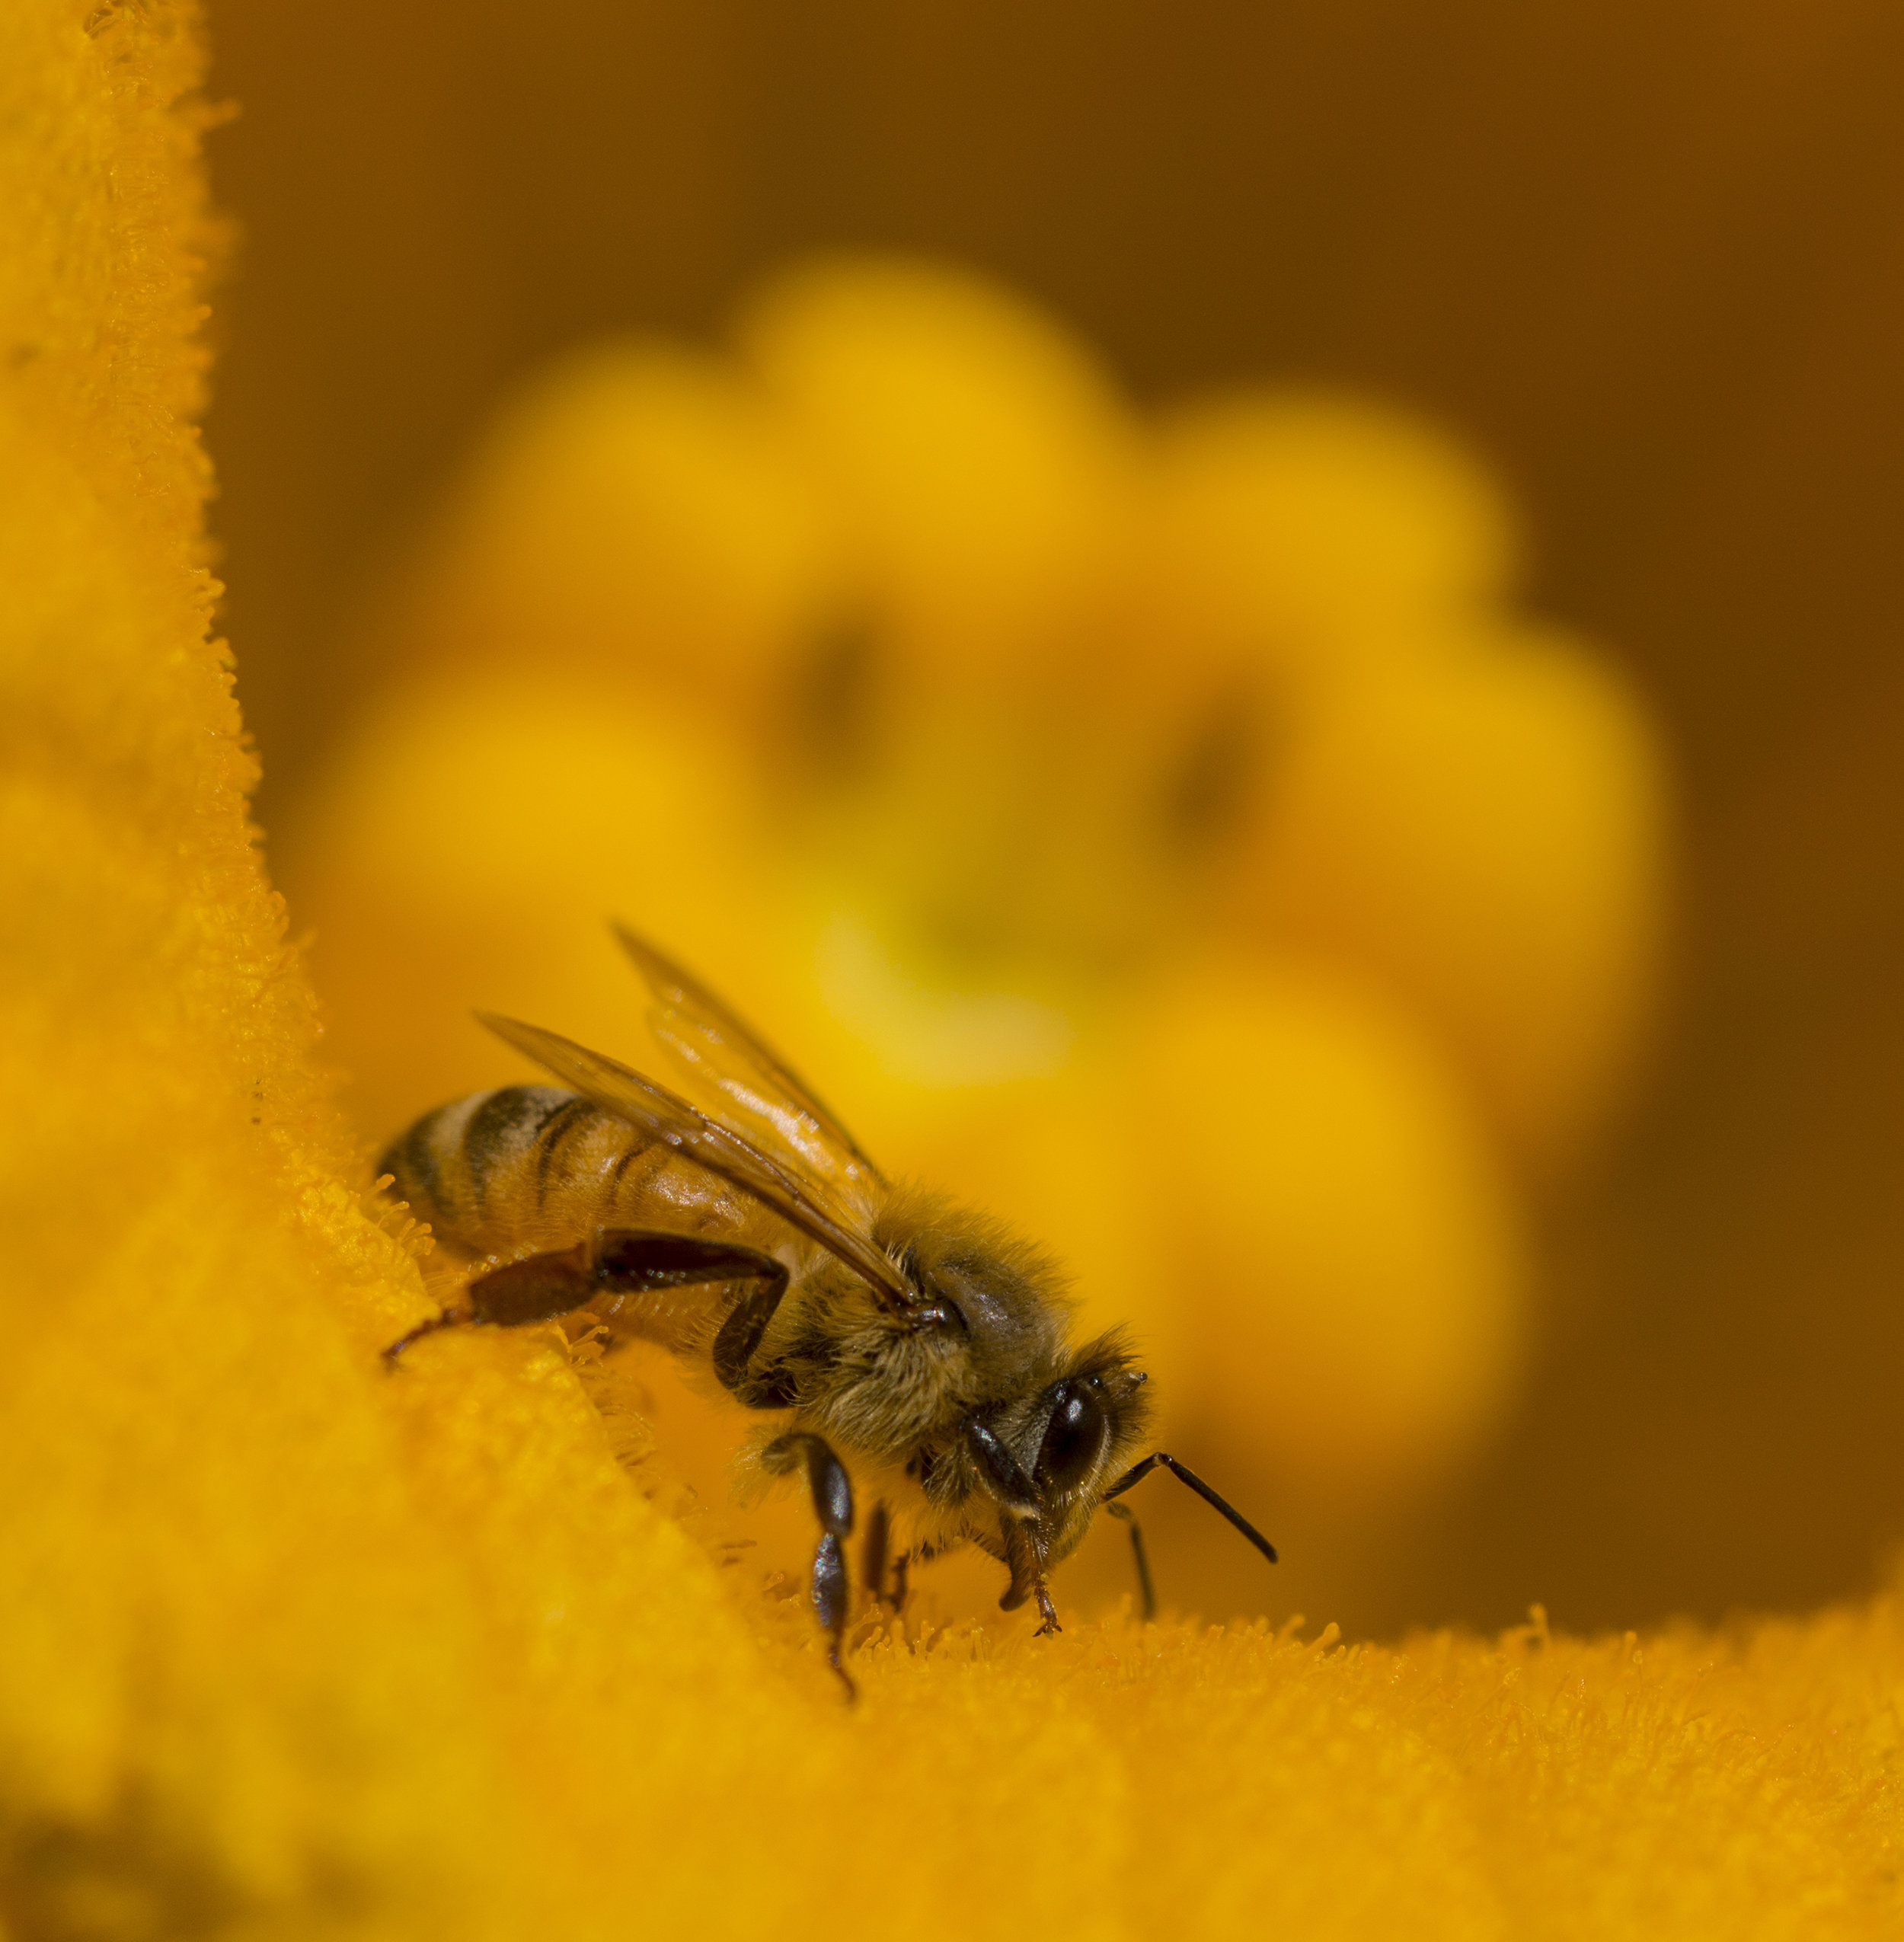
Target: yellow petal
(980, 453)
(1347, 1252)
(1484, 832)
(1306, 534)
(638, 509)
(290, 1648)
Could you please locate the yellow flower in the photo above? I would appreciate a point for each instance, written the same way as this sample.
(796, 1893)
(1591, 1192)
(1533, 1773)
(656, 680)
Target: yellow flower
(971, 729)
(287, 1648)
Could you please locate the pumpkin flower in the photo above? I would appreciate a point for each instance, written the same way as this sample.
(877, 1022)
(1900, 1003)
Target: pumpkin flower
(287, 1648)
(1166, 830)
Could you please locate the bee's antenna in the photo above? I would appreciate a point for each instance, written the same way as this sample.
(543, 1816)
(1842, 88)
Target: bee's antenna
(1138, 1472)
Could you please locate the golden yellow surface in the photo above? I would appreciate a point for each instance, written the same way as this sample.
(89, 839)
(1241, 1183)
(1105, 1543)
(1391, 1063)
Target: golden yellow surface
(287, 1648)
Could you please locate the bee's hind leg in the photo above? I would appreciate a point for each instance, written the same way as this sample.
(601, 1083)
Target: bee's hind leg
(538, 1289)
(832, 1494)
(449, 1318)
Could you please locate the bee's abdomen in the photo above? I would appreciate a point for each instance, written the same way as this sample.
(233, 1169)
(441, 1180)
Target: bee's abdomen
(480, 1170)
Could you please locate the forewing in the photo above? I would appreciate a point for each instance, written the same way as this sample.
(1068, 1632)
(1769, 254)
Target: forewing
(773, 1106)
(802, 1202)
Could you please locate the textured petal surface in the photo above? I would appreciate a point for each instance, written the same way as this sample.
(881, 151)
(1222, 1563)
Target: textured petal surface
(287, 1648)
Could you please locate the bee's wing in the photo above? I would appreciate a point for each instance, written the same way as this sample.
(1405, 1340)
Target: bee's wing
(774, 1105)
(801, 1200)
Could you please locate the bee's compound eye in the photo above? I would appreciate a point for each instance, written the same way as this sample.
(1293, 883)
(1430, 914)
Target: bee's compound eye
(1073, 1436)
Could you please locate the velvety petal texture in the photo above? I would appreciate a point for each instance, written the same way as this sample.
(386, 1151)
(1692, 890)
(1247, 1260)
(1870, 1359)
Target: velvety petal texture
(291, 1648)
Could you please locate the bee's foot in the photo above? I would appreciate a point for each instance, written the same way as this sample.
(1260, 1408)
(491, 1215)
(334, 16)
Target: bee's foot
(845, 1678)
(449, 1318)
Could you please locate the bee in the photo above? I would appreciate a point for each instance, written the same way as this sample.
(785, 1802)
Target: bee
(908, 1352)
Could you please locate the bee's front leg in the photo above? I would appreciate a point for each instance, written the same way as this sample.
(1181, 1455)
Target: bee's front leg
(1046, 1611)
(1024, 1556)
(832, 1494)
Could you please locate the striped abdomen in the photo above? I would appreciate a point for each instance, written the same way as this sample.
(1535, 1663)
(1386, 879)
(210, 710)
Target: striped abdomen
(530, 1167)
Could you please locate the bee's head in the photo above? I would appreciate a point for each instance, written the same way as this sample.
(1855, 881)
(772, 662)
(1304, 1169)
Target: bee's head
(1093, 1416)
(1049, 1456)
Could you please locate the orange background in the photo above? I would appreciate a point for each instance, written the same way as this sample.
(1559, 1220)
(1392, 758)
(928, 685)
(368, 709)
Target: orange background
(1644, 257)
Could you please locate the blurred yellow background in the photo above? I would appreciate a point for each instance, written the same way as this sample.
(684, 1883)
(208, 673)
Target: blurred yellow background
(1632, 259)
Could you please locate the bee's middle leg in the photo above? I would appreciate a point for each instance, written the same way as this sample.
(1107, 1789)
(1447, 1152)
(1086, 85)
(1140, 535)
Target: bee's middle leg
(878, 1560)
(832, 1494)
(740, 1336)
(630, 1261)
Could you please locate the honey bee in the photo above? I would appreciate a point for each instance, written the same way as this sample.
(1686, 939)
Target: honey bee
(879, 1326)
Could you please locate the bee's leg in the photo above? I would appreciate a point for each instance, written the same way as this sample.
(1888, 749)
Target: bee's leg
(1147, 1591)
(630, 1261)
(872, 1556)
(617, 1261)
(875, 1552)
(734, 1346)
(449, 1318)
(537, 1289)
(1025, 1557)
(833, 1495)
